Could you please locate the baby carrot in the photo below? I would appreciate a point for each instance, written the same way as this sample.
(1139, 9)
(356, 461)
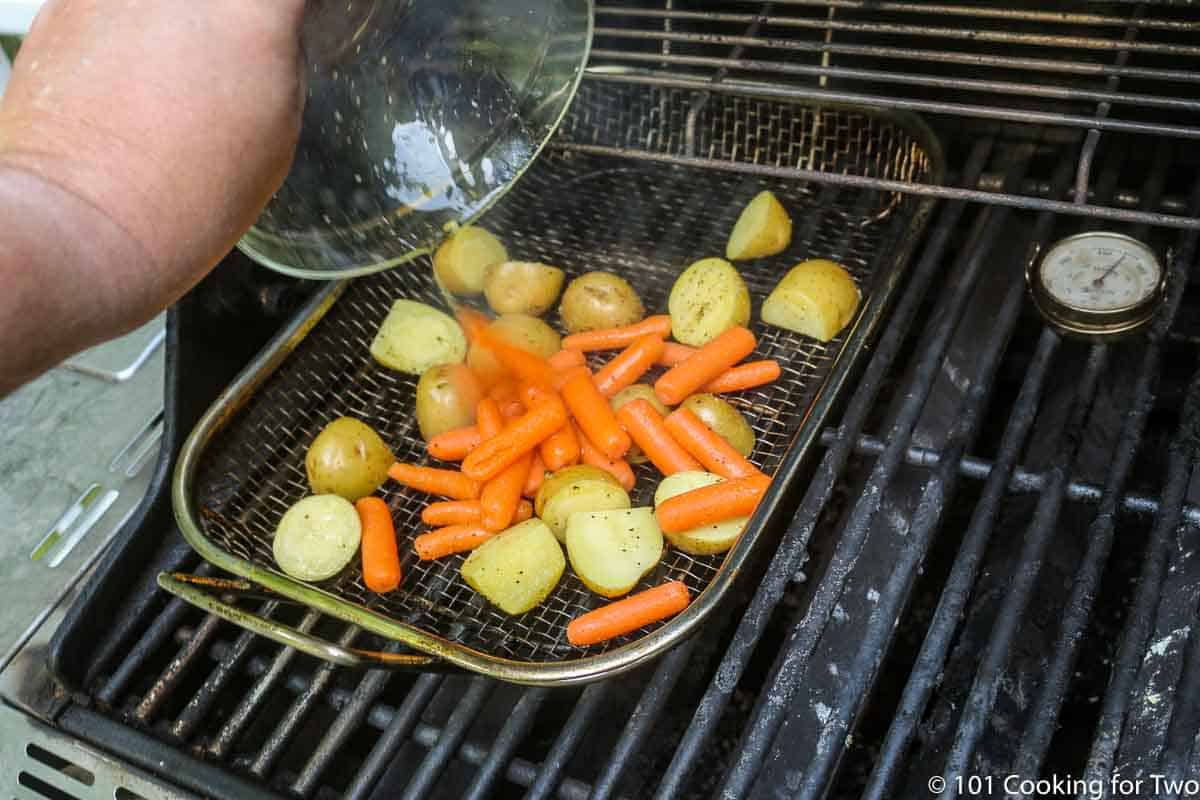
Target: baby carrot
(564, 360)
(594, 414)
(488, 419)
(465, 512)
(674, 352)
(645, 426)
(501, 494)
(454, 445)
(450, 540)
(744, 376)
(471, 321)
(709, 361)
(380, 558)
(628, 614)
(445, 482)
(708, 446)
(617, 467)
(712, 503)
(616, 338)
(631, 364)
(560, 449)
(536, 476)
(518, 438)
(521, 364)
(507, 396)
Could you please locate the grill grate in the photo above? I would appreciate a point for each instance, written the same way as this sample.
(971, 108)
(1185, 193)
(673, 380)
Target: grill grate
(1079, 524)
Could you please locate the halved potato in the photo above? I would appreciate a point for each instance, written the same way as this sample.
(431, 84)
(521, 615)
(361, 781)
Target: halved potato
(565, 477)
(447, 396)
(708, 299)
(638, 391)
(517, 568)
(816, 298)
(763, 229)
(610, 551)
(317, 537)
(724, 420)
(705, 540)
(522, 287)
(461, 261)
(519, 330)
(347, 458)
(582, 495)
(415, 337)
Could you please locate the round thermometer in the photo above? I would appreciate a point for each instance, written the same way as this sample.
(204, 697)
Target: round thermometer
(1098, 285)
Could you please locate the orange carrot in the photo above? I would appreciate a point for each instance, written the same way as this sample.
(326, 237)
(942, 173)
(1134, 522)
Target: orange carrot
(380, 558)
(674, 352)
(712, 503)
(536, 476)
(594, 414)
(560, 449)
(617, 467)
(744, 376)
(471, 321)
(645, 426)
(521, 364)
(502, 494)
(454, 445)
(564, 360)
(518, 438)
(708, 446)
(488, 419)
(445, 482)
(465, 512)
(616, 338)
(631, 364)
(709, 361)
(506, 395)
(449, 540)
(628, 614)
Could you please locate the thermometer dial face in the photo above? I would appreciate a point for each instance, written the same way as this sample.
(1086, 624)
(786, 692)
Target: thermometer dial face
(1098, 284)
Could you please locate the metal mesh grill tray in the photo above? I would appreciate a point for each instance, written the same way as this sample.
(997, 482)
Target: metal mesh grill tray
(244, 465)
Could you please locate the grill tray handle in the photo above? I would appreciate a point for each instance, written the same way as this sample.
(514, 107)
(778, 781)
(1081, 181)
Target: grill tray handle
(199, 591)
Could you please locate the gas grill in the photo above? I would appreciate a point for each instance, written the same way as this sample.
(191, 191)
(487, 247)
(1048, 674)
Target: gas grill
(989, 578)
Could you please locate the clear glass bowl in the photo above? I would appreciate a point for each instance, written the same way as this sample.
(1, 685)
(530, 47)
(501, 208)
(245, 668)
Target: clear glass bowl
(420, 114)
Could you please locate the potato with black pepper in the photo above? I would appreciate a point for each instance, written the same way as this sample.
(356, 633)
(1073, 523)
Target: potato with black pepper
(638, 391)
(817, 298)
(522, 287)
(708, 298)
(724, 420)
(519, 330)
(461, 261)
(598, 300)
(347, 459)
(447, 396)
(416, 336)
(563, 478)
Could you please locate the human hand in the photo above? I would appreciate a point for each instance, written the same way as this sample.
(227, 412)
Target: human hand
(175, 119)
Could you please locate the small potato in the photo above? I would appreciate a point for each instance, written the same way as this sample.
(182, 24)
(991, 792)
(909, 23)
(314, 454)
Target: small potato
(817, 298)
(611, 551)
(708, 299)
(565, 477)
(763, 229)
(516, 569)
(522, 287)
(705, 540)
(724, 420)
(415, 337)
(317, 537)
(461, 261)
(446, 399)
(347, 459)
(638, 391)
(599, 300)
(582, 495)
(519, 330)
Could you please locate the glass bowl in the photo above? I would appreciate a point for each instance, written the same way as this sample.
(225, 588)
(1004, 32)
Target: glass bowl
(420, 114)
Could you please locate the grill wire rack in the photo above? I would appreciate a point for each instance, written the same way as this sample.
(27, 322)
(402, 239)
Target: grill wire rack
(1056, 116)
(584, 211)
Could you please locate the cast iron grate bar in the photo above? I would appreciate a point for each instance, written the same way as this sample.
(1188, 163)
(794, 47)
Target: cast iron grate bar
(794, 655)
(468, 709)
(568, 739)
(516, 728)
(397, 732)
(792, 549)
